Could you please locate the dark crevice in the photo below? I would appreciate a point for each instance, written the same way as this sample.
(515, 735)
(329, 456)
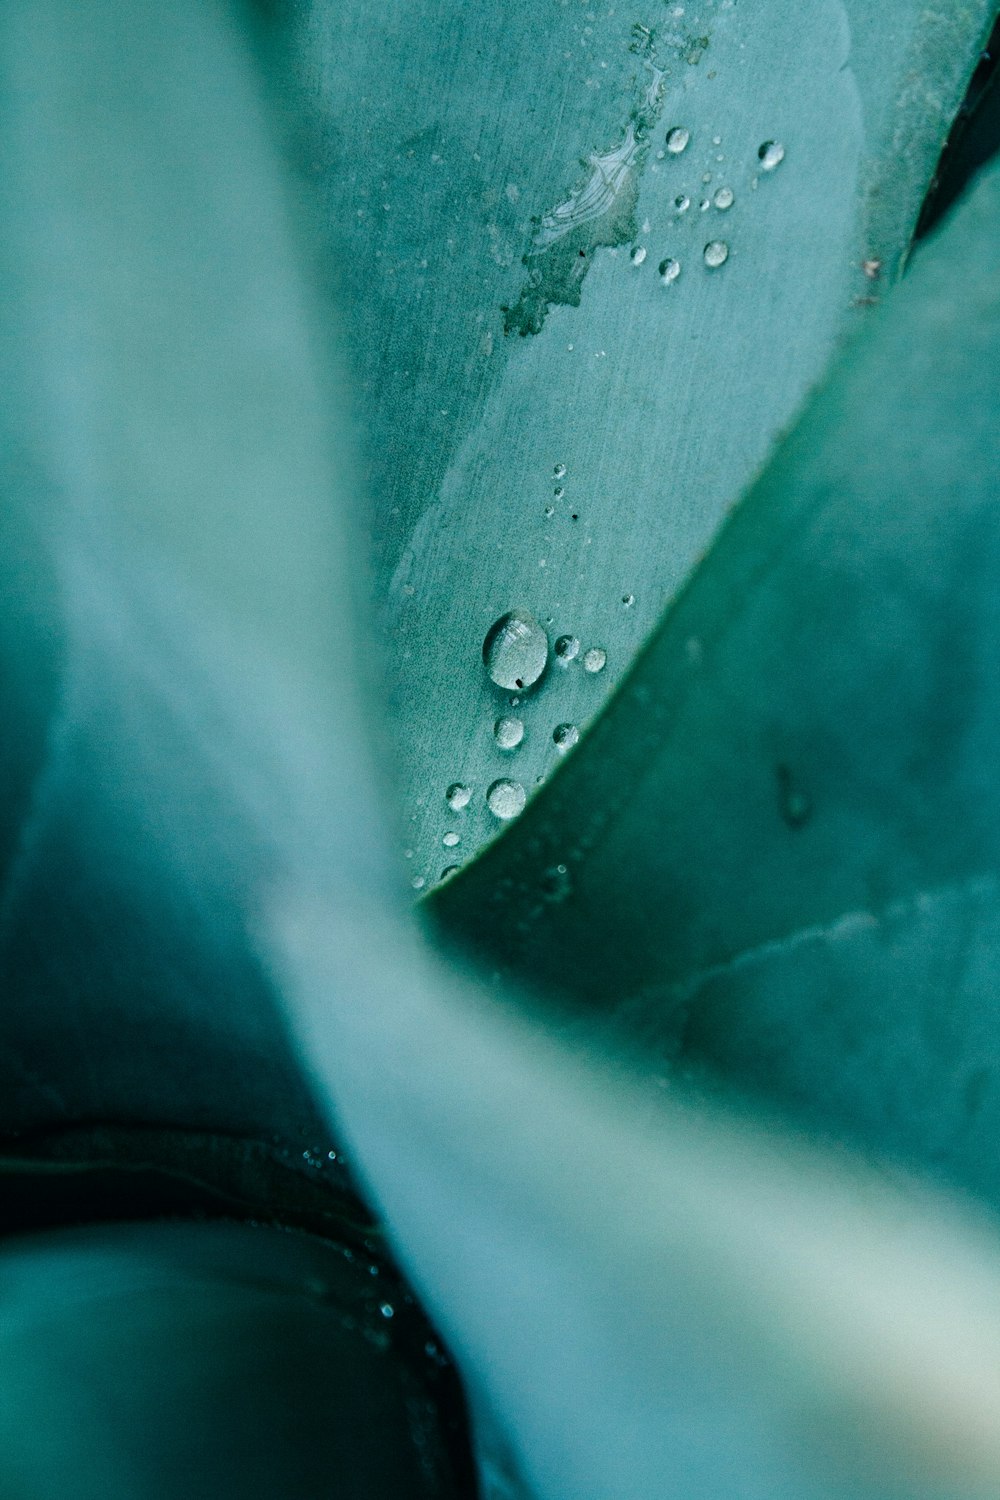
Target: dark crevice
(973, 141)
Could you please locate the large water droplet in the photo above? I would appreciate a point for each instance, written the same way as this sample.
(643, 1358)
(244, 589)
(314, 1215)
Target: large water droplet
(595, 659)
(458, 796)
(516, 650)
(565, 736)
(772, 154)
(669, 270)
(724, 198)
(508, 733)
(677, 139)
(505, 799)
(716, 253)
(567, 648)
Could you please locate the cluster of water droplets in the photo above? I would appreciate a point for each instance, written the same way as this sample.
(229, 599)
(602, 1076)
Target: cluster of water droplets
(715, 252)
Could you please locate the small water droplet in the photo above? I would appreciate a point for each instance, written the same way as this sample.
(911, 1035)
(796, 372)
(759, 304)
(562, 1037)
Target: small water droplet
(516, 650)
(677, 139)
(331, 1155)
(550, 511)
(559, 472)
(638, 255)
(558, 492)
(724, 198)
(449, 871)
(717, 140)
(387, 1309)
(682, 203)
(451, 839)
(418, 882)
(628, 600)
(508, 733)
(505, 799)
(716, 253)
(458, 796)
(772, 154)
(669, 269)
(567, 648)
(704, 205)
(595, 659)
(565, 736)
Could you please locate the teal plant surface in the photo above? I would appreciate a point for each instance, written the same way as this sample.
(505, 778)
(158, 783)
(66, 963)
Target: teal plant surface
(655, 1153)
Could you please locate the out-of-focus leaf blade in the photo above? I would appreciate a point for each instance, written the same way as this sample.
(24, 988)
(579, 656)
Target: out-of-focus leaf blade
(177, 621)
(456, 143)
(647, 1299)
(778, 852)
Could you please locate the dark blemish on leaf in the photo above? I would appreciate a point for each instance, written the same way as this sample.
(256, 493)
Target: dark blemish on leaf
(795, 807)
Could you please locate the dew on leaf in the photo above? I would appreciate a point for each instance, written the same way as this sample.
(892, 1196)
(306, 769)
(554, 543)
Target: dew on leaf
(508, 732)
(505, 799)
(516, 650)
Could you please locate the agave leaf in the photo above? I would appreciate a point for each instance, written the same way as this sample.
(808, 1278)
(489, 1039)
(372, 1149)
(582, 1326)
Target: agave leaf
(779, 850)
(178, 635)
(473, 159)
(649, 1299)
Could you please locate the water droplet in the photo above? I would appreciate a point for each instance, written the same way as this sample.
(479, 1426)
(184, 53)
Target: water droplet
(449, 871)
(567, 648)
(682, 203)
(556, 883)
(508, 733)
(704, 205)
(716, 253)
(724, 198)
(638, 255)
(516, 650)
(418, 882)
(628, 600)
(387, 1309)
(505, 799)
(595, 659)
(550, 511)
(458, 796)
(559, 472)
(717, 140)
(669, 270)
(772, 154)
(565, 736)
(451, 839)
(677, 139)
(332, 1155)
(558, 492)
